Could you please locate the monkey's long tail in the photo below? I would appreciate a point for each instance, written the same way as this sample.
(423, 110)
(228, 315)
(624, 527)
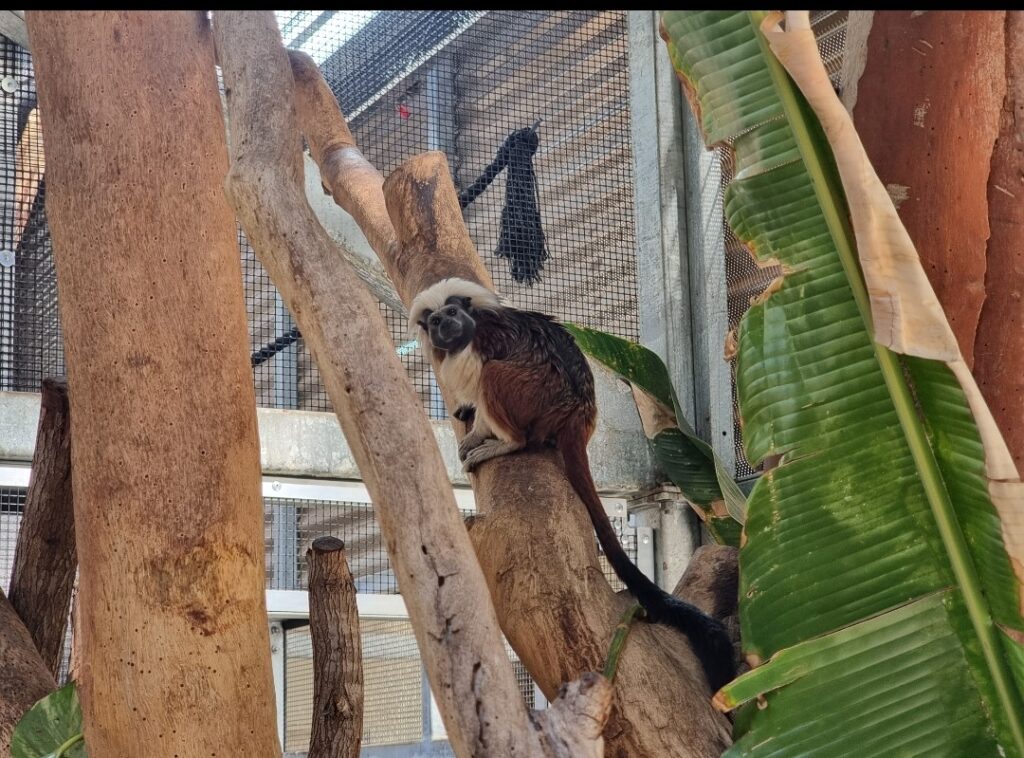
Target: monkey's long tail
(708, 637)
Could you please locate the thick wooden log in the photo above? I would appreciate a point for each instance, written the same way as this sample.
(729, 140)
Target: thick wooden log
(380, 415)
(175, 646)
(44, 558)
(924, 73)
(24, 678)
(535, 543)
(337, 653)
(938, 104)
(999, 345)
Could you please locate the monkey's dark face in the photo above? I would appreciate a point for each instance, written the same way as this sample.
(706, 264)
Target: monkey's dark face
(451, 327)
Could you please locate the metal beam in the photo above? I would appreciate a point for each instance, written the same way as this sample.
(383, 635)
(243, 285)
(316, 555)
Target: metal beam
(12, 26)
(662, 261)
(310, 444)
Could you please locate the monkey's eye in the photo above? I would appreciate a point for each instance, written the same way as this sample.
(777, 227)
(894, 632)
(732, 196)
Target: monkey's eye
(450, 310)
(435, 320)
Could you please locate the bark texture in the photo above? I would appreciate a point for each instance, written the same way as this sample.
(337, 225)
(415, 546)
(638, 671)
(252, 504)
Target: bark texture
(337, 653)
(175, 649)
(44, 557)
(24, 678)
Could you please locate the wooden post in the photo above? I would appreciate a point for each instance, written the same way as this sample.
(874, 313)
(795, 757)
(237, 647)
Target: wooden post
(938, 104)
(24, 678)
(175, 648)
(337, 653)
(534, 541)
(44, 558)
(379, 413)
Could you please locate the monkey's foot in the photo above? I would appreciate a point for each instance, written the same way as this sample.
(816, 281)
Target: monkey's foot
(469, 443)
(491, 448)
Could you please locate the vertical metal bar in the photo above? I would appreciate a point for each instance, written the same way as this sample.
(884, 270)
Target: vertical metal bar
(663, 280)
(645, 560)
(277, 641)
(709, 298)
(285, 534)
(7, 356)
(285, 363)
(426, 712)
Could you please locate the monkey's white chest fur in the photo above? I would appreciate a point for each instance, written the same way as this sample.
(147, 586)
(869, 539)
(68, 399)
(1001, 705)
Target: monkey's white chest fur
(460, 373)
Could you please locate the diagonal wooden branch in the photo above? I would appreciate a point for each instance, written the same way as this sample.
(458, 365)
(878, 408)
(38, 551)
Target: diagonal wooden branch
(389, 434)
(534, 542)
(45, 559)
(23, 675)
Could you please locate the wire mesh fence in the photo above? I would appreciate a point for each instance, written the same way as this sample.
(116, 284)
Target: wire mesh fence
(398, 710)
(457, 81)
(291, 525)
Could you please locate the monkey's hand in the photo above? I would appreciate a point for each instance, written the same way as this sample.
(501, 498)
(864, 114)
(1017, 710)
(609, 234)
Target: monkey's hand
(465, 414)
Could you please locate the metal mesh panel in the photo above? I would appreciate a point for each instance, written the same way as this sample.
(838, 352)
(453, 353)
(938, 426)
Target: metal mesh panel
(461, 82)
(291, 525)
(627, 536)
(12, 502)
(394, 689)
(30, 340)
(409, 81)
(746, 280)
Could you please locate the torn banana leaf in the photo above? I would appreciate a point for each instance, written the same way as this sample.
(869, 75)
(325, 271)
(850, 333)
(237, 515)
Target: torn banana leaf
(687, 460)
(881, 575)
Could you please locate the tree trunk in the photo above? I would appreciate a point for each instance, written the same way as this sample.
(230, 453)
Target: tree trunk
(337, 653)
(44, 559)
(23, 675)
(939, 105)
(379, 413)
(534, 541)
(174, 638)
(999, 344)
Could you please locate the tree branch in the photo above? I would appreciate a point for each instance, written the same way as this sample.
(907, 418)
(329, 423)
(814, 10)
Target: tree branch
(23, 675)
(174, 643)
(44, 558)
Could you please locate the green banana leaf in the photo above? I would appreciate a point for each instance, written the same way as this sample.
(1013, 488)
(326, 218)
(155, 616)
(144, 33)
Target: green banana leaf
(52, 728)
(687, 460)
(875, 583)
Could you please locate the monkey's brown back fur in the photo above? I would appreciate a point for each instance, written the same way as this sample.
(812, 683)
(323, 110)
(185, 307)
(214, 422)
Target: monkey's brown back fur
(536, 383)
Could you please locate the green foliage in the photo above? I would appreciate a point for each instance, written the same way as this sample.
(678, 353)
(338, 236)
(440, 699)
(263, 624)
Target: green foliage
(874, 577)
(52, 728)
(687, 460)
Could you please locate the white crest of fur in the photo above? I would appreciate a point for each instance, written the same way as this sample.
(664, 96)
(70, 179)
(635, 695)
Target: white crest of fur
(434, 296)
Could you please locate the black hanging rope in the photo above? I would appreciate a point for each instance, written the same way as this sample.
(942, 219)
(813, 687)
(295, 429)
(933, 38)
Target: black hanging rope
(521, 238)
(273, 348)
